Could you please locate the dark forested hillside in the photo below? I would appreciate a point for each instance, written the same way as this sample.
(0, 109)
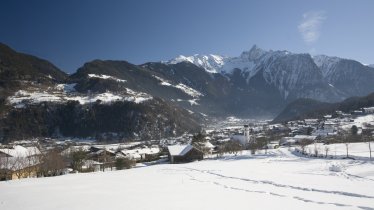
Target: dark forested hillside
(308, 108)
(153, 119)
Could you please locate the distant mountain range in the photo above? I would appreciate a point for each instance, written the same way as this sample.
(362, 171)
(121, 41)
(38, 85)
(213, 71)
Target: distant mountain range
(257, 84)
(292, 75)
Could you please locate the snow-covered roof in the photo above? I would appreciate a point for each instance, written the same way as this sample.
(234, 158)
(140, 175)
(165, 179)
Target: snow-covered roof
(179, 150)
(20, 157)
(305, 137)
(84, 148)
(153, 150)
(20, 151)
(209, 145)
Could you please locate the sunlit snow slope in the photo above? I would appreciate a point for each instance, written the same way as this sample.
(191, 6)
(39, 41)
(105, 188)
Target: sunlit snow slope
(278, 180)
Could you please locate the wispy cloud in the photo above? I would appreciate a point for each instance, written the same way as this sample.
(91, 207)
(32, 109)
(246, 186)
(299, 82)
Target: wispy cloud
(310, 26)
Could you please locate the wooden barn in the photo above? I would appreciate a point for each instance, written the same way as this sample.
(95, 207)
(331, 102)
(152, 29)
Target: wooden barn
(184, 153)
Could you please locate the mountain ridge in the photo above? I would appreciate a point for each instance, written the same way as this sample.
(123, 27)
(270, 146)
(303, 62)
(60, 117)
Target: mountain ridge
(256, 84)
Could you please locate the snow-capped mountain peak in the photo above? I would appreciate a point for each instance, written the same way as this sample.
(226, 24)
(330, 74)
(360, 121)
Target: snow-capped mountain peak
(211, 63)
(253, 54)
(221, 64)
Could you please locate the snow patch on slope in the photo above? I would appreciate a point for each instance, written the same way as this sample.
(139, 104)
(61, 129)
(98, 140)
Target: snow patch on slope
(163, 81)
(103, 76)
(22, 97)
(66, 87)
(186, 89)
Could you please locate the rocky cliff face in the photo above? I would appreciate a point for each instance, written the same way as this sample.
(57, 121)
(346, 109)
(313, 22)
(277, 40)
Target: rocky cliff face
(350, 77)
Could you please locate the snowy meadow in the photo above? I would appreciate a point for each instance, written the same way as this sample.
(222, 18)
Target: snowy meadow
(280, 179)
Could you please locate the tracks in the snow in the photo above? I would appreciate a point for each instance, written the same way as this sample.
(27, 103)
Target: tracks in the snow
(283, 185)
(267, 182)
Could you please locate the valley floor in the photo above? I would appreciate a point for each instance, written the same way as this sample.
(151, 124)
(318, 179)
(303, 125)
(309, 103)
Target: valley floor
(277, 180)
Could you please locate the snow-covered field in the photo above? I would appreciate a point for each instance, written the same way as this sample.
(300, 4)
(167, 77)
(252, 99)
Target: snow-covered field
(355, 150)
(278, 180)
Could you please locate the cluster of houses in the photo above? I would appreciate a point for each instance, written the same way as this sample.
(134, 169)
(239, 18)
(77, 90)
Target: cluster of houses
(21, 159)
(314, 129)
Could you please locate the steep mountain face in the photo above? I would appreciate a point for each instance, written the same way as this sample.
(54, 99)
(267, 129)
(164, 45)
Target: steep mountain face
(296, 76)
(268, 77)
(292, 76)
(350, 77)
(38, 99)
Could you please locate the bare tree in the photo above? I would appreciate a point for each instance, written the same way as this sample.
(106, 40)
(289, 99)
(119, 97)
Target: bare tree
(369, 149)
(316, 150)
(5, 166)
(303, 143)
(220, 151)
(347, 148)
(232, 147)
(52, 163)
(257, 144)
(368, 140)
(32, 158)
(327, 149)
(344, 137)
(18, 165)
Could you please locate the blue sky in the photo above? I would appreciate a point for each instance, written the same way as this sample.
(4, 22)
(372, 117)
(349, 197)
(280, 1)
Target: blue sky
(72, 32)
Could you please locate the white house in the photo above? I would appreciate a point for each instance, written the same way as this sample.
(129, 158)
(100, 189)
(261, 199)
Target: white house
(329, 128)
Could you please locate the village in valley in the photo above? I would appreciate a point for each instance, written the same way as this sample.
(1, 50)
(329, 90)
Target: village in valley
(337, 136)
